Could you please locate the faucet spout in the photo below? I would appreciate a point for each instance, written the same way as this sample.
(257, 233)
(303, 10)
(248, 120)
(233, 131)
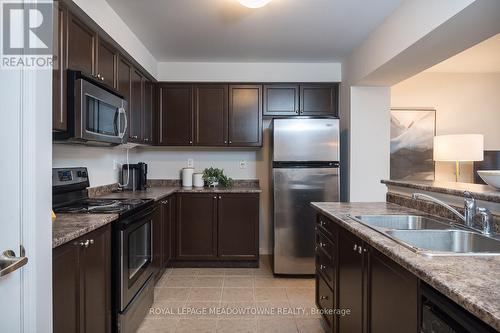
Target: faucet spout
(416, 196)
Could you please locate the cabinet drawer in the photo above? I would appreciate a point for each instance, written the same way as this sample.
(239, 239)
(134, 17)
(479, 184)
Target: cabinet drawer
(325, 244)
(325, 267)
(327, 226)
(324, 299)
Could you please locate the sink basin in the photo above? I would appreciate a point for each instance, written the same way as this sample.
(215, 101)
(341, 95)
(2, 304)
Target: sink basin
(446, 242)
(402, 222)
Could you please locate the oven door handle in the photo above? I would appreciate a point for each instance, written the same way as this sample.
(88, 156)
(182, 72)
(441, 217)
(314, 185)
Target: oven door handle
(139, 216)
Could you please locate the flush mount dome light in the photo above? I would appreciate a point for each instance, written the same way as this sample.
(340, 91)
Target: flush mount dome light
(254, 3)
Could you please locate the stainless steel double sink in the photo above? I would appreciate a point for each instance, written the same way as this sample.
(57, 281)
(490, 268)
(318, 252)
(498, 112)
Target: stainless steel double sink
(432, 237)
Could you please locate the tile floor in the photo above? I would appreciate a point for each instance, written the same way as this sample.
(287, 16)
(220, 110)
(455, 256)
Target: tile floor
(232, 300)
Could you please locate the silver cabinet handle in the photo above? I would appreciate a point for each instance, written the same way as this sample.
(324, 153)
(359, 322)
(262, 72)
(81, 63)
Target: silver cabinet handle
(91, 242)
(215, 197)
(322, 244)
(355, 247)
(322, 267)
(84, 244)
(321, 223)
(10, 263)
(220, 196)
(190, 142)
(225, 141)
(360, 250)
(323, 297)
(230, 142)
(102, 78)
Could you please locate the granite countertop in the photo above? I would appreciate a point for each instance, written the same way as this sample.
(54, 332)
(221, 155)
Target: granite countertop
(68, 227)
(472, 282)
(160, 192)
(480, 192)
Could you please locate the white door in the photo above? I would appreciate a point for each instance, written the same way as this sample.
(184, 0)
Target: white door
(25, 199)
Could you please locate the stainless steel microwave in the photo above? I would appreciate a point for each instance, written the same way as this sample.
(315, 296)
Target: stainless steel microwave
(96, 113)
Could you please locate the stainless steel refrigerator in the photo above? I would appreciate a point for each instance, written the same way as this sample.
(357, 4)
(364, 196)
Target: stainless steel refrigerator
(305, 168)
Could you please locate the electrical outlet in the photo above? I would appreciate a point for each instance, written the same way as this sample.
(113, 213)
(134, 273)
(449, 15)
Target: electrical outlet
(243, 164)
(190, 163)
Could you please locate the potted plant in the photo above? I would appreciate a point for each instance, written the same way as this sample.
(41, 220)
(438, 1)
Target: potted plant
(214, 177)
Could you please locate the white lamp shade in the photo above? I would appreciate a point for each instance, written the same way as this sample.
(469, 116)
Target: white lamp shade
(459, 147)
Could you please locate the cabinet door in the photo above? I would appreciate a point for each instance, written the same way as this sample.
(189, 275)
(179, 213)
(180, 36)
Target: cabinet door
(81, 46)
(350, 282)
(157, 238)
(318, 100)
(210, 115)
(136, 103)
(96, 277)
(124, 83)
(65, 285)
(238, 226)
(245, 116)
(197, 226)
(392, 296)
(106, 63)
(59, 111)
(176, 115)
(168, 215)
(148, 111)
(325, 300)
(281, 100)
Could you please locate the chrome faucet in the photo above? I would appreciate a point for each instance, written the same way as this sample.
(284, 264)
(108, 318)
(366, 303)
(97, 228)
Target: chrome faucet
(470, 211)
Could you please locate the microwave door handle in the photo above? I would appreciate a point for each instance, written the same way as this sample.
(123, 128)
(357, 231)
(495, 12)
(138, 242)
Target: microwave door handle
(120, 112)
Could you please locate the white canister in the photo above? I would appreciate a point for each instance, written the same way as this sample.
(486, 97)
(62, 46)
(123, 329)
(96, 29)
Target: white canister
(198, 179)
(187, 177)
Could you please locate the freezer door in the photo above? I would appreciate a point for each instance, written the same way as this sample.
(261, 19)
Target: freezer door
(308, 139)
(294, 218)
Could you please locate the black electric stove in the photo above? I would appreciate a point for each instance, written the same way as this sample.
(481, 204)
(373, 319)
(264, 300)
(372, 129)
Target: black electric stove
(69, 188)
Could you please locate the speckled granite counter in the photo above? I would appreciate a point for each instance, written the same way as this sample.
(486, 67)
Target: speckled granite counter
(68, 227)
(159, 192)
(480, 192)
(472, 282)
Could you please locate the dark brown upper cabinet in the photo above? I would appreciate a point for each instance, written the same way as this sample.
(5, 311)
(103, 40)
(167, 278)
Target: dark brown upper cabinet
(136, 107)
(107, 59)
(238, 226)
(245, 116)
(196, 226)
(59, 109)
(175, 115)
(81, 42)
(148, 112)
(318, 100)
(305, 99)
(281, 100)
(210, 114)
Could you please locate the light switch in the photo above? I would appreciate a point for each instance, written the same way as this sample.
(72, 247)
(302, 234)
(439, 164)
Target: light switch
(190, 163)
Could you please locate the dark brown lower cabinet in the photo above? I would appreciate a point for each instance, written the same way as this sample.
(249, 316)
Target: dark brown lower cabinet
(168, 218)
(82, 284)
(157, 240)
(238, 226)
(216, 227)
(196, 226)
(350, 282)
(393, 296)
(381, 295)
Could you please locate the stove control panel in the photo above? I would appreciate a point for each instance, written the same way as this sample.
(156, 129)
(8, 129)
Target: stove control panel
(70, 176)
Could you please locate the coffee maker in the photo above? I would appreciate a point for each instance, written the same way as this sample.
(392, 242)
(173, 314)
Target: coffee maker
(134, 177)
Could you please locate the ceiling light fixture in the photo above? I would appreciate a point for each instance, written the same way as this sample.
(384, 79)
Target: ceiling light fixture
(254, 3)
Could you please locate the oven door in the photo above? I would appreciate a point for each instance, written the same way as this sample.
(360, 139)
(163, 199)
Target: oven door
(136, 247)
(100, 115)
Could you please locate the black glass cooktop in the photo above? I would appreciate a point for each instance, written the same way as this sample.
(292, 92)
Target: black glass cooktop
(96, 206)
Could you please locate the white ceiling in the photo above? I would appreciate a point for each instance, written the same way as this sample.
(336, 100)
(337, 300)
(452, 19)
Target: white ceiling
(225, 31)
(481, 58)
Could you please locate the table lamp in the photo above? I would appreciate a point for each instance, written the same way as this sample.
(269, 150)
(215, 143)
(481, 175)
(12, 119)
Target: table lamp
(459, 148)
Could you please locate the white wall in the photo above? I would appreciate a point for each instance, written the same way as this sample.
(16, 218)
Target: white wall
(418, 35)
(249, 72)
(465, 103)
(370, 122)
(102, 13)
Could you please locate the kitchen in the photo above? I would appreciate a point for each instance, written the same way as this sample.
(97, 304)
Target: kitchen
(195, 185)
